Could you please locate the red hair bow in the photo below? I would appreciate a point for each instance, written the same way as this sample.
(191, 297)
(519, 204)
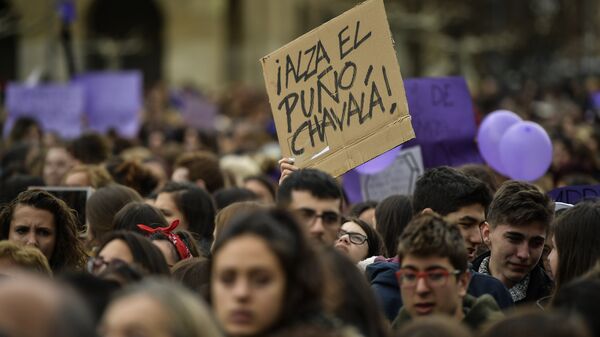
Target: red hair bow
(182, 249)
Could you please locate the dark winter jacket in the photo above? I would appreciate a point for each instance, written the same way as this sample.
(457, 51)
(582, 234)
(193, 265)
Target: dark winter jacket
(540, 284)
(382, 276)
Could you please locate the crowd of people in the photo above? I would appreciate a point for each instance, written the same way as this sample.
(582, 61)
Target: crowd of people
(210, 233)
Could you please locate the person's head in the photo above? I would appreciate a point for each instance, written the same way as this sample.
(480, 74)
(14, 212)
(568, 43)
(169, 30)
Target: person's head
(262, 186)
(348, 295)
(90, 148)
(433, 275)
(194, 273)
(227, 196)
(279, 284)
(365, 211)
(580, 297)
(575, 235)
(461, 199)
(481, 172)
(174, 245)
(13, 255)
(193, 206)
(15, 184)
(358, 240)
(158, 308)
(392, 215)
(200, 168)
(316, 199)
(135, 213)
(57, 163)
(26, 130)
(227, 214)
(518, 221)
(130, 248)
(133, 174)
(95, 176)
(38, 307)
(103, 205)
(534, 323)
(39, 219)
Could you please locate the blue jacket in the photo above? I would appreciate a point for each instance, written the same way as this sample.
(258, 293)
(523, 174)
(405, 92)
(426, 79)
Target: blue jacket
(382, 276)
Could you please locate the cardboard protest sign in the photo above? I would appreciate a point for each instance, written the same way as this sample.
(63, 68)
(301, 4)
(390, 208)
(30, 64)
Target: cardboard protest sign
(58, 108)
(575, 194)
(399, 178)
(443, 120)
(113, 100)
(336, 92)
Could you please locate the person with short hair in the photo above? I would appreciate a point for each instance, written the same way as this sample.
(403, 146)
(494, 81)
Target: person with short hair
(517, 226)
(434, 275)
(200, 168)
(316, 199)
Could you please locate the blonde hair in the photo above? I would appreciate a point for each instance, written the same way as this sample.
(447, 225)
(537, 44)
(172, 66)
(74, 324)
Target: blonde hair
(25, 257)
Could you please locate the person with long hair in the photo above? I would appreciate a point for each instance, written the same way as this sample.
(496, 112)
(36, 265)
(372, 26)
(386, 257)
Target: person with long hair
(39, 219)
(264, 275)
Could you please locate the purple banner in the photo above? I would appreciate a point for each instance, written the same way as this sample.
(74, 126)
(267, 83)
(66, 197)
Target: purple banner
(113, 101)
(58, 108)
(443, 119)
(574, 194)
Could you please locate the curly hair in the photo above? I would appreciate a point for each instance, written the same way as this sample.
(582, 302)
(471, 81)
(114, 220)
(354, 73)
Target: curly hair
(69, 253)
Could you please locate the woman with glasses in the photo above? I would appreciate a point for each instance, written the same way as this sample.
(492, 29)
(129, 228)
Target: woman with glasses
(358, 240)
(130, 249)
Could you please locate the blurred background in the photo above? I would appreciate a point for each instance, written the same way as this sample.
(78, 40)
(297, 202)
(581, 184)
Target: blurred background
(538, 58)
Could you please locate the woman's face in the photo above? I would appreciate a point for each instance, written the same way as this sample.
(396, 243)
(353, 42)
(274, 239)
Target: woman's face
(116, 249)
(135, 315)
(348, 242)
(166, 204)
(33, 227)
(247, 287)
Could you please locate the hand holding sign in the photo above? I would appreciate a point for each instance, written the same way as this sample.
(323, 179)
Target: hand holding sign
(336, 104)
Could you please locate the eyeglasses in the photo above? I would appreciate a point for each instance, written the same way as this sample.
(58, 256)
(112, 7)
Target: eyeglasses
(97, 264)
(308, 215)
(355, 238)
(408, 278)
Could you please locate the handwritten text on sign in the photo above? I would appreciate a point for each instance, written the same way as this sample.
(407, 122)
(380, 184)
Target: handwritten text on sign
(337, 85)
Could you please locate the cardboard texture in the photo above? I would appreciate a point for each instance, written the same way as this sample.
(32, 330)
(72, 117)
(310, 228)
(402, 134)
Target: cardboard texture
(337, 94)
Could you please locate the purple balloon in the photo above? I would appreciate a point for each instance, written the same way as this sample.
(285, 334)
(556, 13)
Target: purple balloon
(490, 133)
(526, 151)
(380, 162)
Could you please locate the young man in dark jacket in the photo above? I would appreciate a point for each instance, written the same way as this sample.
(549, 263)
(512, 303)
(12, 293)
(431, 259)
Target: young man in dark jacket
(434, 275)
(461, 200)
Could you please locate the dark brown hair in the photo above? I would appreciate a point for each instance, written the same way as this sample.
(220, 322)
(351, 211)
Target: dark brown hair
(68, 252)
(518, 203)
(430, 235)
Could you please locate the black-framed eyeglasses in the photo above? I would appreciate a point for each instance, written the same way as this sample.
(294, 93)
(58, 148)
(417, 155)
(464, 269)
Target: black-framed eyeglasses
(438, 277)
(309, 215)
(355, 238)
